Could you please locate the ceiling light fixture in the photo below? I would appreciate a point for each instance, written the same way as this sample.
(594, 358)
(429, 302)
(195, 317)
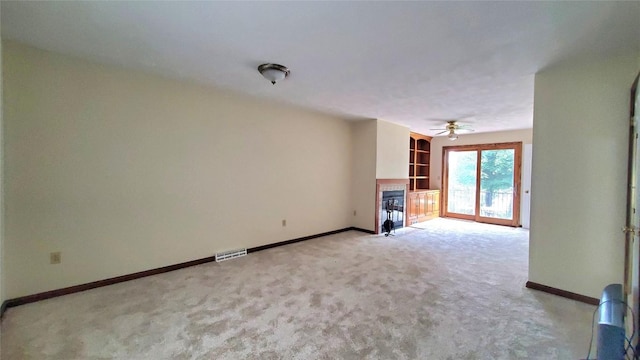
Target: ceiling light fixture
(452, 136)
(274, 72)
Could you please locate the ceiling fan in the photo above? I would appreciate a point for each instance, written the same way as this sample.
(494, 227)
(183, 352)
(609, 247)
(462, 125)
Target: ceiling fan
(451, 128)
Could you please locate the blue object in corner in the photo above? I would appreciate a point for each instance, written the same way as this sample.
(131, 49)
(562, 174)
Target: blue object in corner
(611, 332)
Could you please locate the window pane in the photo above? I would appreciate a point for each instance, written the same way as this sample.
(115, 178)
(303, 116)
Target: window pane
(496, 183)
(461, 187)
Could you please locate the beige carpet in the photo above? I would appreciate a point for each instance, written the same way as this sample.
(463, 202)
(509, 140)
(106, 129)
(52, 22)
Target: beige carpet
(453, 290)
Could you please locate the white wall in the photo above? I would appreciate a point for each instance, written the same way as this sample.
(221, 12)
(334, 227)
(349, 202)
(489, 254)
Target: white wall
(363, 180)
(2, 272)
(581, 121)
(392, 154)
(435, 172)
(123, 171)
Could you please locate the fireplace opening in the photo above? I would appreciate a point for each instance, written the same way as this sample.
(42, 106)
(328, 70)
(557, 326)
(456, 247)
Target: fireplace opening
(392, 207)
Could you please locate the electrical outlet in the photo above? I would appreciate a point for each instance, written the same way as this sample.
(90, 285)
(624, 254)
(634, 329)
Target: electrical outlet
(354, 213)
(55, 257)
(284, 222)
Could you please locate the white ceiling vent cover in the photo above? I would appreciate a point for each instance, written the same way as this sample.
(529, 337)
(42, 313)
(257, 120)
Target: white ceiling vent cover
(231, 254)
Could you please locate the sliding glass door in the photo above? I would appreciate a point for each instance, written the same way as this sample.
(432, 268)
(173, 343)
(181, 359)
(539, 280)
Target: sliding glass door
(481, 182)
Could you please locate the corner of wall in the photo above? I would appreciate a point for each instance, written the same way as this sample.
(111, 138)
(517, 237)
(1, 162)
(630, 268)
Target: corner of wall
(247, 168)
(363, 173)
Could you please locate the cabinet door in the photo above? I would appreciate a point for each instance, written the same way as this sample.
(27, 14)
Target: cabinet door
(422, 199)
(429, 204)
(412, 208)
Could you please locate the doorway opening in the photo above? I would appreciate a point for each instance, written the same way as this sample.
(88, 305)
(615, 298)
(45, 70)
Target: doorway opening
(481, 182)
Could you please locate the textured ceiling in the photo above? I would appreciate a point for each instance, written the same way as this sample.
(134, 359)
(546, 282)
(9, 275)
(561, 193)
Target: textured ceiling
(412, 63)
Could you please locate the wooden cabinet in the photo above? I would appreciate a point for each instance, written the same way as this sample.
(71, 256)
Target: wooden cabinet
(419, 158)
(423, 206)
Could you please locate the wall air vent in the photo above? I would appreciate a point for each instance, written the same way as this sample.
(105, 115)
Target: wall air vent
(231, 254)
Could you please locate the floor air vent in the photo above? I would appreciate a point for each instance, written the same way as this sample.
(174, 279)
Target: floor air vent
(227, 255)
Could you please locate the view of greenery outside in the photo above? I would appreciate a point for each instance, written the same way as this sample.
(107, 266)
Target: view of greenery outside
(496, 172)
(461, 188)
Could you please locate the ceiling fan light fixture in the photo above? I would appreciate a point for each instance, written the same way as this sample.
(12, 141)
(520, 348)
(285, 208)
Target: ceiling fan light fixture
(274, 72)
(451, 128)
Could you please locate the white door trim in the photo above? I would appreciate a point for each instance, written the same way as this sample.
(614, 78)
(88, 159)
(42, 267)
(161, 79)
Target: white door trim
(525, 204)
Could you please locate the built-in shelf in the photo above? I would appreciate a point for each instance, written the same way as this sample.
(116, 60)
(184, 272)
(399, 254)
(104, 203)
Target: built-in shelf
(419, 158)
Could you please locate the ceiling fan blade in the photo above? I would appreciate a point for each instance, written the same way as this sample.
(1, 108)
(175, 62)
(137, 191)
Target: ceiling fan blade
(440, 133)
(463, 129)
(437, 129)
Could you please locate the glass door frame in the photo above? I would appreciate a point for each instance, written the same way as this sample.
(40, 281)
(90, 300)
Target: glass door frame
(517, 175)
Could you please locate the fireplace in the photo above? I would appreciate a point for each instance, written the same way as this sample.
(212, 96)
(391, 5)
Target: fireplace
(391, 198)
(392, 208)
